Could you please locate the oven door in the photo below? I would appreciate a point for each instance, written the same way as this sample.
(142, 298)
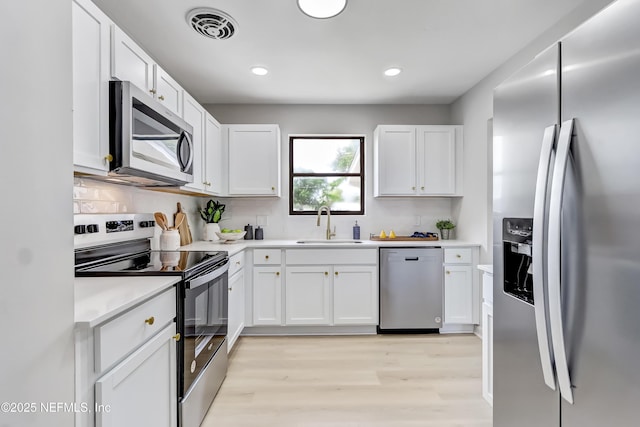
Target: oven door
(203, 323)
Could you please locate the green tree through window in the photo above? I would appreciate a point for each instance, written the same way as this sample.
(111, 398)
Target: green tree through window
(326, 170)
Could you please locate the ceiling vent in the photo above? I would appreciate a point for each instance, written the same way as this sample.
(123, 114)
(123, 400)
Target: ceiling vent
(212, 23)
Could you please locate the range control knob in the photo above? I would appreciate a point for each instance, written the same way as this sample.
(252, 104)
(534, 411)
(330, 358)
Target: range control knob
(80, 229)
(93, 228)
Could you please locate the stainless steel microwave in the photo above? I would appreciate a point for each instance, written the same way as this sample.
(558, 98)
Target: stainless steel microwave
(149, 144)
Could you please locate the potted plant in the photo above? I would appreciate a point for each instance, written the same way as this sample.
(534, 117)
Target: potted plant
(212, 214)
(445, 226)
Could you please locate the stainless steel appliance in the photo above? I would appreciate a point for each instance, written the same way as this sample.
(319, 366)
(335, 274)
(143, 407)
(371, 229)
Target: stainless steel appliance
(410, 289)
(566, 230)
(118, 245)
(149, 145)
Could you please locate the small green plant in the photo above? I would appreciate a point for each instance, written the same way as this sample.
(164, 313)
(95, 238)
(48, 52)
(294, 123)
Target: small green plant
(212, 212)
(445, 224)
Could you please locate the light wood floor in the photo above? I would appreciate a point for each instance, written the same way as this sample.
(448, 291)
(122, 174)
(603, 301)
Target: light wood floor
(361, 381)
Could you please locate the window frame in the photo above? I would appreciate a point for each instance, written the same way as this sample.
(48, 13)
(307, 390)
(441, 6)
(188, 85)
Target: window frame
(360, 175)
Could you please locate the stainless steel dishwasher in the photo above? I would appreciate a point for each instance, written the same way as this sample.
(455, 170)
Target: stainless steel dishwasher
(410, 289)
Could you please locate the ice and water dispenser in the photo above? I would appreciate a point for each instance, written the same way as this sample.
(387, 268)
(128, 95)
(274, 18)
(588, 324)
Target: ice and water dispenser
(518, 269)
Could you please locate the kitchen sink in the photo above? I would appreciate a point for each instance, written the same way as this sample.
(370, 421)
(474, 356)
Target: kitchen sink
(334, 241)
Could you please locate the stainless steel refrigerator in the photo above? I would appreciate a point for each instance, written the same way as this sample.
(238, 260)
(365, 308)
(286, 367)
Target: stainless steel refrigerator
(566, 233)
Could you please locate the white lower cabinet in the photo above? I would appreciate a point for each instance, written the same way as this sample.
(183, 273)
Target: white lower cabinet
(487, 352)
(331, 287)
(461, 286)
(355, 295)
(267, 295)
(126, 368)
(308, 295)
(141, 390)
(236, 299)
(458, 294)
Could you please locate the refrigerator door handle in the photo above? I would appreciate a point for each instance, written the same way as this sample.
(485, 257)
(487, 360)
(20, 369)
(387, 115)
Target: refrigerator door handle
(554, 260)
(538, 255)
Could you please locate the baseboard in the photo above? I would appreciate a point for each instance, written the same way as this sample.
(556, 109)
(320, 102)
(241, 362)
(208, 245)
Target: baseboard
(457, 329)
(309, 330)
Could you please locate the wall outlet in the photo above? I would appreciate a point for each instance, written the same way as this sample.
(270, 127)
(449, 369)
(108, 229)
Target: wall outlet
(416, 221)
(262, 220)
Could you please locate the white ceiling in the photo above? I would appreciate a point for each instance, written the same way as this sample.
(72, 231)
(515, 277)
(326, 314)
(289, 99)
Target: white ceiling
(443, 46)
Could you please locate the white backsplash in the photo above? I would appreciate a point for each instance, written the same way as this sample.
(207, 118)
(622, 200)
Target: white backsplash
(91, 196)
(397, 214)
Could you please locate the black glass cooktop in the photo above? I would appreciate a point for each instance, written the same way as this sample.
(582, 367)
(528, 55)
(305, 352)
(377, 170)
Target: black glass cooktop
(130, 259)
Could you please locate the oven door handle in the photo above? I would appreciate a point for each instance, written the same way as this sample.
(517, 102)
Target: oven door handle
(212, 275)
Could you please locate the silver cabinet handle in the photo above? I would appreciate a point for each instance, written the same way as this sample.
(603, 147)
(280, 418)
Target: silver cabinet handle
(538, 255)
(555, 296)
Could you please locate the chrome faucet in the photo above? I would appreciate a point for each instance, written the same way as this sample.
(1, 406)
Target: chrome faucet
(329, 233)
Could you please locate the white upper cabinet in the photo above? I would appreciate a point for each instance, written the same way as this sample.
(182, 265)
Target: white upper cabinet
(129, 62)
(418, 160)
(436, 150)
(253, 153)
(395, 151)
(90, 48)
(194, 114)
(213, 156)
(167, 90)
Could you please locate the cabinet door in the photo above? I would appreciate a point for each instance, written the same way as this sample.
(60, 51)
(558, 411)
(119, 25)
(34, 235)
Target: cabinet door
(129, 62)
(267, 296)
(254, 160)
(194, 114)
(436, 153)
(458, 294)
(90, 48)
(395, 161)
(487, 352)
(141, 390)
(308, 295)
(355, 295)
(236, 307)
(168, 91)
(213, 156)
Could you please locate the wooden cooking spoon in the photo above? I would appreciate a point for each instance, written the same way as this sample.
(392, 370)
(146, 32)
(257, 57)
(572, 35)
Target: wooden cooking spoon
(161, 220)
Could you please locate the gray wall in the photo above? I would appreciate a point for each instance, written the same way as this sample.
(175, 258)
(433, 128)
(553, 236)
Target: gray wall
(474, 109)
(398, 214)
(36, 180)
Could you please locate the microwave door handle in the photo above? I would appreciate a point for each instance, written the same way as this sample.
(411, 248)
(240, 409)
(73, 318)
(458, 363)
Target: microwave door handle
(555, 261)
(538, 256)
(184, 136)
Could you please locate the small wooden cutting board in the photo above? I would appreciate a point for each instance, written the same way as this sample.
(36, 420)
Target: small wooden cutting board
(184, 230)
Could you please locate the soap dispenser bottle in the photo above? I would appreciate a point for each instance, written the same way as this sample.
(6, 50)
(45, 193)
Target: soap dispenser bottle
(356, 231)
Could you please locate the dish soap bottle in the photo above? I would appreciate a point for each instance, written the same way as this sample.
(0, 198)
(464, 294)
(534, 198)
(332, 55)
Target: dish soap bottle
(356, 231)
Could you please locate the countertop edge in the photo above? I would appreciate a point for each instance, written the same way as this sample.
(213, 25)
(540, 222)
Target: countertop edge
(98, 299)
(487, 268)
(239, 246)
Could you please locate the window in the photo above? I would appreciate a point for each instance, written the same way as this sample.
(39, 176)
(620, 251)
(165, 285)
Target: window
(326, 171)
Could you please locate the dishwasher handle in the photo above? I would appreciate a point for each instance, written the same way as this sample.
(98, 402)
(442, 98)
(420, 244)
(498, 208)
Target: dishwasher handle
(411, 258)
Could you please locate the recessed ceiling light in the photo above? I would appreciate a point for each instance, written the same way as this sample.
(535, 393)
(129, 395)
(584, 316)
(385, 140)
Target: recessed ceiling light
(259, 71)
(392, 72)
(322, 9)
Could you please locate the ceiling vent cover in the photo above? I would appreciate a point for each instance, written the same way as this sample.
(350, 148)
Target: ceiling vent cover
(212, 23)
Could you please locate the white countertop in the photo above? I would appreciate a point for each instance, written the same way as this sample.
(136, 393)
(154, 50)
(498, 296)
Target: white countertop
(99, 298)
(488, 268)
(234, 248)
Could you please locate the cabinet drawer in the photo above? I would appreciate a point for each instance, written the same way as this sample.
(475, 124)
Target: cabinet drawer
(236, 263)
(118, 337)
(267, 256)
(332, 256)
(457, 256)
